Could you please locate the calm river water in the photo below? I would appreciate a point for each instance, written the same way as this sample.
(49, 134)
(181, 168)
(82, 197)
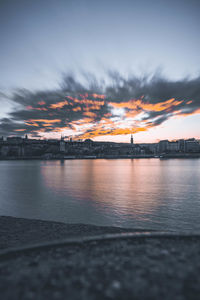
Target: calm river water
(137, 193)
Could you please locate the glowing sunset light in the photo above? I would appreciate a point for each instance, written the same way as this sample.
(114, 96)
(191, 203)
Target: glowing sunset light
(59, 104)
(139, 104)
(44, 121)
(90, 114)
(77, 108)
(116, 113)
(117, 119)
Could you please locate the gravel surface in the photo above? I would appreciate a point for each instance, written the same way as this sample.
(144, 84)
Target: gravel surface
(18, 231)
(131, 268)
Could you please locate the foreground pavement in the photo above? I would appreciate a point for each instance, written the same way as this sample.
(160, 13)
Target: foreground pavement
(118, 267)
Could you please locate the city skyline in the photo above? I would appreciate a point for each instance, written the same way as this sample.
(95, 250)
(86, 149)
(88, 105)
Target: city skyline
(100, 70)
(25, 148)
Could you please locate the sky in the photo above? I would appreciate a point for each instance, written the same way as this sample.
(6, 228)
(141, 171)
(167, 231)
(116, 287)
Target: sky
(100, 69)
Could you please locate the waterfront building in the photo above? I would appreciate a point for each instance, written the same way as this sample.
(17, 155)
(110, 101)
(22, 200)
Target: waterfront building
(173, 146)
(62, 144)
(4, 150)
(15, 139)
(163, 146)
(181, 144)
(192, 145)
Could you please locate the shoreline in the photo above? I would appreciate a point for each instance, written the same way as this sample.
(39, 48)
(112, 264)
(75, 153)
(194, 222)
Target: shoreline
(15, 231)
(109, 157)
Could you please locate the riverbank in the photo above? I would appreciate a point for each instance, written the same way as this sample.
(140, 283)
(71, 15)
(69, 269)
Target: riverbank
(122, 267)
(73, 157)
(18, 232)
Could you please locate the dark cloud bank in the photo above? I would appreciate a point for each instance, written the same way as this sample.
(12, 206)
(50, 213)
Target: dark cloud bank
(55, 110)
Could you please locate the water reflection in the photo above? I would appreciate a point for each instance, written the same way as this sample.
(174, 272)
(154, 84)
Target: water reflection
(143, 193)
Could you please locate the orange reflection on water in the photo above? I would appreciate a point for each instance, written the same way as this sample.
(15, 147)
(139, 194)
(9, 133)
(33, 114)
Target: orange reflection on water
(122, 186)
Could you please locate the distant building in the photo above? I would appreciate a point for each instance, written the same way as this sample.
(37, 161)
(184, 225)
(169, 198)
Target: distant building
(150, 148)
(181, 144)
(62, 144)
(89, 142)
(14, 140)
(173, 146)
(192, 145)
(4, 150)
(163, 146)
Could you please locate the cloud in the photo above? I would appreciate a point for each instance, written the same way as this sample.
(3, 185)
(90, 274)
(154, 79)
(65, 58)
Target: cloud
(95, 108)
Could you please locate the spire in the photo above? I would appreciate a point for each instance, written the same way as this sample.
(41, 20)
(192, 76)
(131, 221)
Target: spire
(62, 144)
(131, 139)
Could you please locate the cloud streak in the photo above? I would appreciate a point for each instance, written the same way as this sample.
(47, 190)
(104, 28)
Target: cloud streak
(96, 108)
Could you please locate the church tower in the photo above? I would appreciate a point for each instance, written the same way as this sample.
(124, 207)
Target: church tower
(131, 139)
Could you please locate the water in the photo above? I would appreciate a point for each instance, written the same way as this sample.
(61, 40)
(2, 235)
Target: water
(137, 193)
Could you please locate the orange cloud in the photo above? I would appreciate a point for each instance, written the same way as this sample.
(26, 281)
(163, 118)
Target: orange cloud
(108, 115)
(32, 124)
(41, 102)
(114, 131)
(90, 102)
(110, 123)
(41, 108)
(46, 123)
(90, 114)
(59, 104)
(83, 121)
(44, 120)
(77, 108)
(98, 96)
(84, 95)
(29, 107)
(137, 104)
(92, 107)
(189, 102)
(94, 104)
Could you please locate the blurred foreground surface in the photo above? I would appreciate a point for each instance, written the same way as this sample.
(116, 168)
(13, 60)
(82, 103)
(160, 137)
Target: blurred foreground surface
(139, 268)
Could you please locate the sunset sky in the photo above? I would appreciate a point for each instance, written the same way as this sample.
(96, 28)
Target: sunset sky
(100, 69)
